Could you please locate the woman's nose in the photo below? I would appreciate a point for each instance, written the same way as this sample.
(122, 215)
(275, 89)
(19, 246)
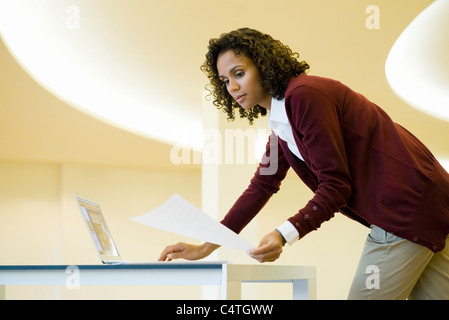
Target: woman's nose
(233, 86)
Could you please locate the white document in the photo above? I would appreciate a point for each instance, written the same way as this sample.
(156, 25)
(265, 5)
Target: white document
(179, 216)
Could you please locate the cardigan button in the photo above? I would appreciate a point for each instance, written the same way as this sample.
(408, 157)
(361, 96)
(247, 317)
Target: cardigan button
(415, 239)
(435, 247)
(306, 217)
(315, 208)
(297, 224)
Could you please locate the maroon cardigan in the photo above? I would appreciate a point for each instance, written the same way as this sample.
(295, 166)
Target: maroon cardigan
(356, 161)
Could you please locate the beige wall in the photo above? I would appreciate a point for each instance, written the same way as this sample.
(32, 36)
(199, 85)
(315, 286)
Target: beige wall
(43, 162)
(41, 223)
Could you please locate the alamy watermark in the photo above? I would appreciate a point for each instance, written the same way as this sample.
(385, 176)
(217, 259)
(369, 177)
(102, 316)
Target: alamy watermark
(72, 21)
(372, 22)
(233, 146)
(73, 277)
(373, 280)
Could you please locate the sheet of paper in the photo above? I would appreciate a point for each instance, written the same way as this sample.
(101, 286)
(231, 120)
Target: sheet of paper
(179, 216)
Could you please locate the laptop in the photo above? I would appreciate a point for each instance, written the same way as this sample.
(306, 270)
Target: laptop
(98, 230)
(102, 238)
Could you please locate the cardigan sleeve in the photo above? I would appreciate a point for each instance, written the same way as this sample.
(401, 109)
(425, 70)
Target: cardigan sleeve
(265, 182)
(315, 119)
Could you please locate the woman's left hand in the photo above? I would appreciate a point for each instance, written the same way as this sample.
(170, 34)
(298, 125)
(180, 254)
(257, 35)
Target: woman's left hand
(269, 249)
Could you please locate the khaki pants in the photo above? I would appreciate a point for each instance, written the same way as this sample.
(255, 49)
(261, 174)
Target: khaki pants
(395, 268)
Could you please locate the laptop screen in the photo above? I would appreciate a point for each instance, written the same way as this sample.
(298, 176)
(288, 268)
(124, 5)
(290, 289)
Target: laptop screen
(97, 228)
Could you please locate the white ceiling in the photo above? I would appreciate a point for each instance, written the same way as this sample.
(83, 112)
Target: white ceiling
(37, 126)
(153, 50)
(417, 66)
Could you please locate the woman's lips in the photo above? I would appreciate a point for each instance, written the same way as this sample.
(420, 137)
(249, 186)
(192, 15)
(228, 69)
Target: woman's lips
(240, 98)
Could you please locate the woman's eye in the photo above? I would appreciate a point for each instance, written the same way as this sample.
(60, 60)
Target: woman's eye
(239, 74)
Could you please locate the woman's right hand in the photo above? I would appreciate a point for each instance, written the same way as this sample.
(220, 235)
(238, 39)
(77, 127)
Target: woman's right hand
(187, 251)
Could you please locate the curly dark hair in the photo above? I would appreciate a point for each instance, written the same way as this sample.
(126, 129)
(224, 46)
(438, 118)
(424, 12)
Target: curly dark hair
(276, 63)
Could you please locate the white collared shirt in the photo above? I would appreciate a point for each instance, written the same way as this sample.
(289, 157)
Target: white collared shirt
(279, 124)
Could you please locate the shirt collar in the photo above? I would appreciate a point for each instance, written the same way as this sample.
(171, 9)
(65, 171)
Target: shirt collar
(277, 111)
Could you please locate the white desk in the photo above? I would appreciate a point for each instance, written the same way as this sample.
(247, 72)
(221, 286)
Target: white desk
(229, 276)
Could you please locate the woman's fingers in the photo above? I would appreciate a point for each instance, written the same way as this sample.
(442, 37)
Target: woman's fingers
(172, 252)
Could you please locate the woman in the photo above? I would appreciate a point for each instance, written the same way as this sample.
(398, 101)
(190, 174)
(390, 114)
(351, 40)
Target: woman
(349, 152)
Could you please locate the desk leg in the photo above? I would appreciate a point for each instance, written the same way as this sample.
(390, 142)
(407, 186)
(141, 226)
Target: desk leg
(231, 290)
(304, 289)
(2, 292)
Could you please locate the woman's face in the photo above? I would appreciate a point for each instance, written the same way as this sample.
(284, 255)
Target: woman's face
(242, 79)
